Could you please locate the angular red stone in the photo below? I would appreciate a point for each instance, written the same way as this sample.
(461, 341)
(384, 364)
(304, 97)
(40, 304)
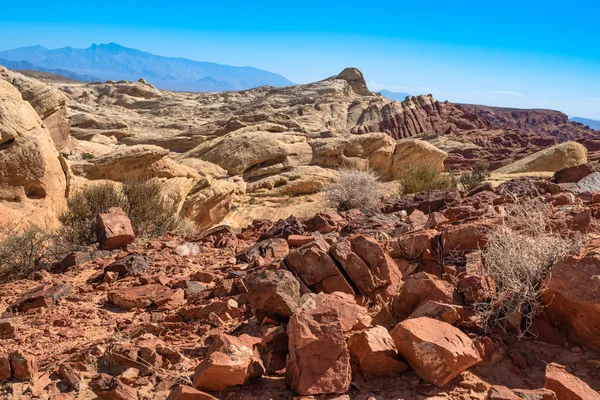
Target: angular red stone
(114, 229)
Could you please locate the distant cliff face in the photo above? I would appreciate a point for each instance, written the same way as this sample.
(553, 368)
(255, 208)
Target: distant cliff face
(537, 122)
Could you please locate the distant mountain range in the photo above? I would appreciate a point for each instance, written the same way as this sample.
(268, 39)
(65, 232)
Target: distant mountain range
(26, 65)
(588, 122)
(400, 96)
(113, 61)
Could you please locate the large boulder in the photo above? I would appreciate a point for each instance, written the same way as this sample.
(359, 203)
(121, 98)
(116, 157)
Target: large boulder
(410, 152)
(32, 181)
(319, 361)
(316, 269)
(572, 296)
(273, 294)
(552, 159)
(436, 350)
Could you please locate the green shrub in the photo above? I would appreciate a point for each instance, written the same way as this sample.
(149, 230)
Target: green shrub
(354, 189)
(87, 156)
(79, 221)
(424, 178)
(150, 212)
(479, 174)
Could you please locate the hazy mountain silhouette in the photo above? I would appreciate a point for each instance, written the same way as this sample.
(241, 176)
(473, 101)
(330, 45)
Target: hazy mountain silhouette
(592, 123)
(113, 61)
(400, 96)
(26, 65)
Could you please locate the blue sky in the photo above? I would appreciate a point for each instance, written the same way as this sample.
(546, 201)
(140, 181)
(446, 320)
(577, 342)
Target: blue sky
(531, 54)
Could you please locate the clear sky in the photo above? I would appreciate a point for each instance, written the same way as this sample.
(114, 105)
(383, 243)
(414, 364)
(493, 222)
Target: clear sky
(527, 53)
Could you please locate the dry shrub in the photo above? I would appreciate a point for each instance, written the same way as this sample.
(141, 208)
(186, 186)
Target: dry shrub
(151, 213)
(518, 256)
(424, 178)
(354, 189)
(79, 221)
(21, 252)
(479, 174)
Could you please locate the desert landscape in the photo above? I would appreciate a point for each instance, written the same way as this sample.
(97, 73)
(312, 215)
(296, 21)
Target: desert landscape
(307, 241)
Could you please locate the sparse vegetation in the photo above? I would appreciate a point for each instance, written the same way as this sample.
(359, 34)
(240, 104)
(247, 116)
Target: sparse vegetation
(151, 212)
(479, 174)
(87, 156)
(518, 256)
(21, 252)
(354, 189)
(424, 178)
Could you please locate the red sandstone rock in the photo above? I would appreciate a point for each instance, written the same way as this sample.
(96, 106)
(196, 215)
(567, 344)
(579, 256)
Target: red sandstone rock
(576, 173)
(24, 366)
(8, 328)
(413, 245)
(274, 348)
(326, 221)
(468, 236)
(573, 296)
(5, 371)
(366, 264)
(567, 386)
(130, 265)
(316, 269)
(318, 357)
(114, 229)
(221, 370)
(146, 295)
(448, 313)
(374, 353)
(181, 392)
(437, 351)
(351, 315)
(223, 309)
(299, 240)
(107, 387)
(44, 296)
(273, 294)
(421, 288)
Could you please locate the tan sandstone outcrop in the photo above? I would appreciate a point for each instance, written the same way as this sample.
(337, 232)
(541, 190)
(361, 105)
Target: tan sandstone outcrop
(552, 159)
(32, 181)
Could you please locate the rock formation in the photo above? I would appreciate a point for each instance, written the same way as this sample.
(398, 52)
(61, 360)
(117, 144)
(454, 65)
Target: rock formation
(32, 181)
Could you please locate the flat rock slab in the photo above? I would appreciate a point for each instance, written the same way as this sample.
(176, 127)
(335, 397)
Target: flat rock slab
(44, 296)
(145, 296)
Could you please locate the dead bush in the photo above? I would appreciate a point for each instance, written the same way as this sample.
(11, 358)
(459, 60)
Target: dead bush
(21, 252)
(151, 213)
(424, 178)
(354, 189)
(518, 256)
(479, 174)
